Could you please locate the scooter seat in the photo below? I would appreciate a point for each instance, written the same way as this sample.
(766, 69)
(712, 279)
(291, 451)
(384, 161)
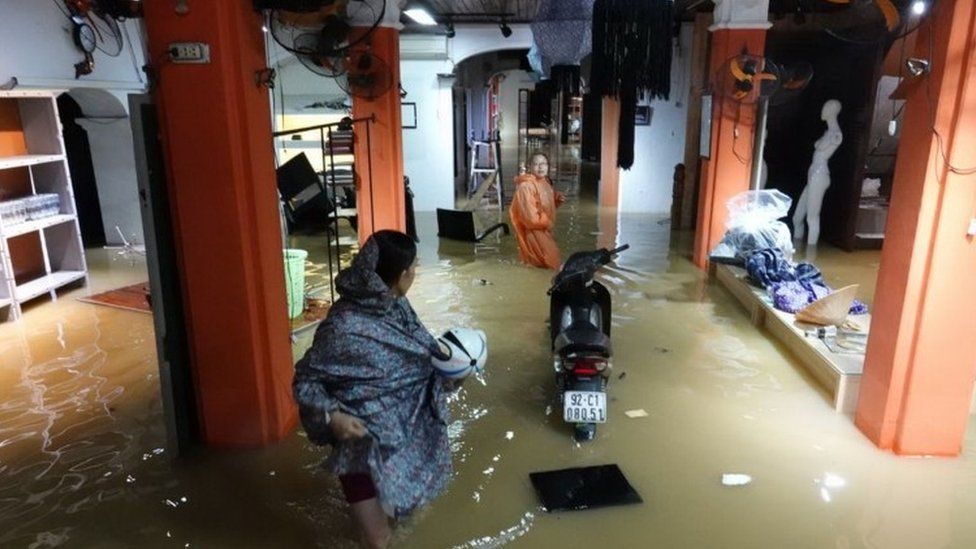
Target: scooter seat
(583, 338)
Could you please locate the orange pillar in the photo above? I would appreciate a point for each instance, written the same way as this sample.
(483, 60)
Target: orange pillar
(921, 360)
(382, 206)
(727, 171)
(216, 135)
(609, 194)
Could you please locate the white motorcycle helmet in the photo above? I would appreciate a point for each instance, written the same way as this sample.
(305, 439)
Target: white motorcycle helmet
(467, 350)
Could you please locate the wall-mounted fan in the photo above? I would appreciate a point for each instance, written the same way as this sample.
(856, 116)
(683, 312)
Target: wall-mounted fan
(367, 76)
(317, 39)
(746, 78)
(99, 15)
(320, 35)
(859, 21)
(94, 27)
(793, 79)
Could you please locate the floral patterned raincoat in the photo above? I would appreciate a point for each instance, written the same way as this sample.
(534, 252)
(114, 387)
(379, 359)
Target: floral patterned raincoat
(371, 358)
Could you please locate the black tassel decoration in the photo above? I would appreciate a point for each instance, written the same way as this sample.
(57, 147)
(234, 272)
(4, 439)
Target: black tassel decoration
(627, 127)
(631, 59)
(567, 78)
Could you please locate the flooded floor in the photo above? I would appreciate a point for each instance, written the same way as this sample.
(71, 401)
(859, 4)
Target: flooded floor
(81, 434)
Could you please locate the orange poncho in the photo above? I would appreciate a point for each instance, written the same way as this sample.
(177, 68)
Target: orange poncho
(533, 214)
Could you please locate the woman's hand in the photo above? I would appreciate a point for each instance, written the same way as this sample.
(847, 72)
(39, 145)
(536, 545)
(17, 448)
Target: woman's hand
(346, 427)
(560, 199)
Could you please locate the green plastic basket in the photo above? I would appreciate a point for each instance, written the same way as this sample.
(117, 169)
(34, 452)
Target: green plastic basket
(295, 281)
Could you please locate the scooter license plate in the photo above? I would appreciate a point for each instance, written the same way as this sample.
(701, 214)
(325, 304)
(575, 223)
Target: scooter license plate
(584, 407)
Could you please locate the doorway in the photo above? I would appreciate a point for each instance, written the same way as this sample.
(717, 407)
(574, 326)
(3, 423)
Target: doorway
(78, 149)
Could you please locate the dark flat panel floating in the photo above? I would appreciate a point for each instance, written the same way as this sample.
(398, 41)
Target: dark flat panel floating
(584, 488)
(459, 225)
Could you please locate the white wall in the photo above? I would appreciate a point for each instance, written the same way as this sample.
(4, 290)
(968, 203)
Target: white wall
(36, 47)
(646, 187)
(113, 159)
(428, 150)
(514, 81)
(476, 39)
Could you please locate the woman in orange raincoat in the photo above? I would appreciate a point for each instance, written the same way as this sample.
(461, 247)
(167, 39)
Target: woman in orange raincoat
(533, 215)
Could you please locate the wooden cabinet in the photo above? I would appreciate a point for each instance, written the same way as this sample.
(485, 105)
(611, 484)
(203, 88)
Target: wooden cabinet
(40, 248)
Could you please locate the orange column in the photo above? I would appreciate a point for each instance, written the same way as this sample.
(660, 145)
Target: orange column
(382, 205)
(921, 360)
(609, 194)
(727, 171)
(216, 134)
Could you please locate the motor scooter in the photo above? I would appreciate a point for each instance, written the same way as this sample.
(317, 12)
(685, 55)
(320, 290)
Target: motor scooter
(579, 321)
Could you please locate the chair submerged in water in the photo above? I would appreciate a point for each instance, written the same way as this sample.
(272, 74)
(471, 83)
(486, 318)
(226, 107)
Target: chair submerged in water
(459, 225)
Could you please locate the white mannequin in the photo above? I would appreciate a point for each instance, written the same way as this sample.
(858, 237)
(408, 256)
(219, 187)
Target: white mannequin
(818, 176)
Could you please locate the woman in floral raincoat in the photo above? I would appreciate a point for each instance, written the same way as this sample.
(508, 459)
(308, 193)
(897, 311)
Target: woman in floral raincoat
(367, 388)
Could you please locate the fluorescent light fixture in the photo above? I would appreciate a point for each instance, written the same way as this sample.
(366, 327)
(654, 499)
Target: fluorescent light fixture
(420, 16)
(919, 7)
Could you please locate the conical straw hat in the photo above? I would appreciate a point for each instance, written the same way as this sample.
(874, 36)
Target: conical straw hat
(829, 310)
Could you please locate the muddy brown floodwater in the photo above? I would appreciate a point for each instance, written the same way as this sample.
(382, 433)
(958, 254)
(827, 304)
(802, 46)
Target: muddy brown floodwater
(82, 462)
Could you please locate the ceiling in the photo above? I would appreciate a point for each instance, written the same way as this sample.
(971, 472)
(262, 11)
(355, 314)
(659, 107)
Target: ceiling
(523, 10)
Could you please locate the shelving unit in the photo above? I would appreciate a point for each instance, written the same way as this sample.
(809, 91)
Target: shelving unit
(37, 256)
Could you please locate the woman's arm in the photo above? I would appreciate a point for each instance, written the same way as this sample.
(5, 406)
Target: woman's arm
(319, 410)
(315, 404)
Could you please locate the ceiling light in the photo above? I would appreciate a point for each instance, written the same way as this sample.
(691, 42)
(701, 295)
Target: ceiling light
(420, 16)
(919, 7)
(506, 30)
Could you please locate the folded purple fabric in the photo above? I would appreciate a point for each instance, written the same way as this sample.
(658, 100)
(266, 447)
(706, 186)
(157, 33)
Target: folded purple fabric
(792, 295)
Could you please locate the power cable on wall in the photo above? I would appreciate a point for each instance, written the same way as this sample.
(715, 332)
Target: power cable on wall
(132, 55)
(931, 106)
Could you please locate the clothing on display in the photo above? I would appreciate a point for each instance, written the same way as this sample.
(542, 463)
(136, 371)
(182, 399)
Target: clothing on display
(632, 43)
(791, 286)
(768, 266)
(793, 295)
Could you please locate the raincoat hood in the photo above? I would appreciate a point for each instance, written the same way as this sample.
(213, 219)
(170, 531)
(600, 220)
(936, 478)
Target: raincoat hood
(360, 284)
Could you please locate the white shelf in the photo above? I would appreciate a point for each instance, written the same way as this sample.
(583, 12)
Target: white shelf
(31, 93)
(43, 285)
(33, 226)
(24, 160)
(60, 247)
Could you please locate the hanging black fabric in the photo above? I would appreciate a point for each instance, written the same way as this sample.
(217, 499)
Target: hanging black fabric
(631, 59)
(567, 78)
(627, 127)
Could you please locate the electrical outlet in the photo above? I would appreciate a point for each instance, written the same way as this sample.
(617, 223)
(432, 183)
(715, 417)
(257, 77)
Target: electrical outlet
(972, 227)
(189, 52)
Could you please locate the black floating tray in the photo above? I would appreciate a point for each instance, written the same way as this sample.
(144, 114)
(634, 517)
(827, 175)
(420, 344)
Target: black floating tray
(584, 488)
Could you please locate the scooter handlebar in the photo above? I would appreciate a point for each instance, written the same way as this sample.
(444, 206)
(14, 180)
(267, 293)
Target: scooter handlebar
(605, 256)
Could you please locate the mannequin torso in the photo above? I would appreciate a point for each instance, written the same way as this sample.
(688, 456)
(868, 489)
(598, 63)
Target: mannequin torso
(818, 176)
